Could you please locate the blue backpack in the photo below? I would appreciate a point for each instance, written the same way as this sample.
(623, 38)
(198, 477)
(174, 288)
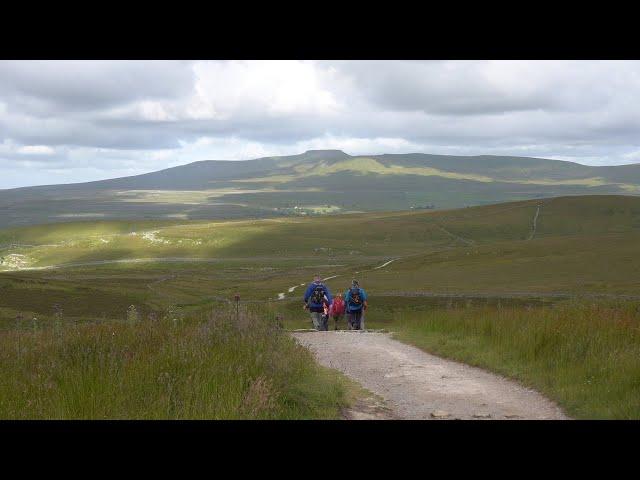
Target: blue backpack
(355, 299)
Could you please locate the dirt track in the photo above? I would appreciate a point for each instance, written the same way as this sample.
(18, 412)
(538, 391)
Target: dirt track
(417, 385)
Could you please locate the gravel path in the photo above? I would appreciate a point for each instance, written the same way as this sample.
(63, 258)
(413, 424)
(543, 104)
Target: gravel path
(417, 385)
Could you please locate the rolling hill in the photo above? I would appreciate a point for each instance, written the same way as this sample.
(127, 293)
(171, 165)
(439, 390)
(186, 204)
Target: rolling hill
(544, 291)
(565, 245)
(315, 182)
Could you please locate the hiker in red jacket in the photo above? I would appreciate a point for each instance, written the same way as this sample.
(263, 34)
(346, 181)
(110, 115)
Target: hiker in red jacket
(336, 310)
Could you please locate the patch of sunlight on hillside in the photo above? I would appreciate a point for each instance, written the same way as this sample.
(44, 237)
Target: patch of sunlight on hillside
(356, 165)
(184, 197)
(361, 165)
(368, 165)
(585, 182)
(270, 179)
(197, 197)
(322, 208)
(14, 261)
(364, 165)
(79, 215)
(631, 189)
(213, 236)
(64, 233)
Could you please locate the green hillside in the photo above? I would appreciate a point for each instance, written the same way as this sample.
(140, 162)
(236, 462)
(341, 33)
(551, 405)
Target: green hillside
(544, 291)
(580, 246)
(316, 182)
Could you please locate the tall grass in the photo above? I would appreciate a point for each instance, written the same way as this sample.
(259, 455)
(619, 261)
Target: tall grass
(584, 356)
(212, 367)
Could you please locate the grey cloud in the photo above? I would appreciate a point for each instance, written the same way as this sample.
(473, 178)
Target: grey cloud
(49, 87)
(578, 110)
(81, 134)
(431, 87)
(472, 88)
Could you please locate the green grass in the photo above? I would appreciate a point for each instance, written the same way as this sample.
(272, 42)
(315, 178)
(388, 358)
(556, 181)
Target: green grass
(584, 356)
(581, 245)
(210, 367)
(584, 247)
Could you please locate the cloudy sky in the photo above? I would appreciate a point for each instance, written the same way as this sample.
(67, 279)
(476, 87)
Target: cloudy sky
(70, 121)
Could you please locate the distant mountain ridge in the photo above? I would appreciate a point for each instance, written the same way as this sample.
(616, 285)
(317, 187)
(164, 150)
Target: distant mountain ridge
(316, 181)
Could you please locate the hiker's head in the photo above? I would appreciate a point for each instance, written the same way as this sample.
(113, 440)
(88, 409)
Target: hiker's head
(317, 278)
(355, 283)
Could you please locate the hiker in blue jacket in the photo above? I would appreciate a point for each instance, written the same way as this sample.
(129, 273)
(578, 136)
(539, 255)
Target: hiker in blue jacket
(316, 295)
(355, 300)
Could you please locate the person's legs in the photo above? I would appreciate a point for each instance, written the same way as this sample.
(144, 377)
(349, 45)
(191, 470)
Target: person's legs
(356, 316)
(316, 320)
(325, 322)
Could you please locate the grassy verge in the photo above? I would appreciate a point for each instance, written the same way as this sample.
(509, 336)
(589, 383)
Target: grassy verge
(584, 356)
(207, 367)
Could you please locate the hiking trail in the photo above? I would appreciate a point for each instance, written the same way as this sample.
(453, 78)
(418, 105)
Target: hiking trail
(408, 383)
(466, 241)
(417, 385)
(282, 295)
(535, 223)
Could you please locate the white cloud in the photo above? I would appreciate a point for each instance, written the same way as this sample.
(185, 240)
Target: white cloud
(272, 88)
(36, 150)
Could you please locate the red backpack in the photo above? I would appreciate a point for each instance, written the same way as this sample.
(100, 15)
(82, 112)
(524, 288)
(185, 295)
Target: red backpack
(338, 306)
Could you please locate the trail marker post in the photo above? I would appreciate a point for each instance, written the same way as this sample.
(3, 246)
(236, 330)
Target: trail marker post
(237, 299)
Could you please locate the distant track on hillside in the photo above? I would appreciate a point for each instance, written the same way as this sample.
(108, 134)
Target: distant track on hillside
(162, 279)
(385, 264)
(535, 223)
(282, 295)
(456, 237)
